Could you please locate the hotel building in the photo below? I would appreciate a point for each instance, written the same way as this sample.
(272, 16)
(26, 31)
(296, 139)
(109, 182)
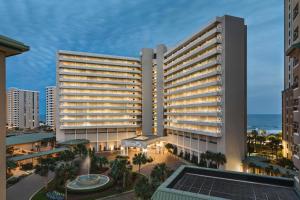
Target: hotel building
(292, 84)
(51, 106)
(22, 109)
(8, 47)
(192, 95)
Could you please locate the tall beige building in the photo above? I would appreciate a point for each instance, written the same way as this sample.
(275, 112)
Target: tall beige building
(291, 94)
(192, 95)
(22, 108)
(51, 106)
(99, 98)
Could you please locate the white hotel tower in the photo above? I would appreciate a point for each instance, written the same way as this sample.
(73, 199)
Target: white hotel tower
(193, 95)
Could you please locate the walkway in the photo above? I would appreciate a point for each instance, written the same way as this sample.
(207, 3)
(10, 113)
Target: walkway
(26, 187)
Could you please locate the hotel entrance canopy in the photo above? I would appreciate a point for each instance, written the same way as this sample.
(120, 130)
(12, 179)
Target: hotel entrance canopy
(142, 141)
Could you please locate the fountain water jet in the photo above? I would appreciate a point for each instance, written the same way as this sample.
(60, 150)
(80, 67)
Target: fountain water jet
(88, 181)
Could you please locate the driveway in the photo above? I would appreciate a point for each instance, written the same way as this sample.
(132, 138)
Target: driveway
(26, 187)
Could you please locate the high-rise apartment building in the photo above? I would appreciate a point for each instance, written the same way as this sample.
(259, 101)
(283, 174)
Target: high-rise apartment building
(99, 98)
(51, 106)
(205, 91)
(287, 94)
(291, 94)
(192, 95)
(22, 109)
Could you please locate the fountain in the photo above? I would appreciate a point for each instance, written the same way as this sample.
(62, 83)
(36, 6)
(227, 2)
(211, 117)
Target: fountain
(88, 181)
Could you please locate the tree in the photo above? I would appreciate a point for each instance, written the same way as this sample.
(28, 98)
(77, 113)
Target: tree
(119, 171)
(160, 172)
(44, 167)
(143, 188)
(254, 134)
(9, 166)
(67, 156)
(139, 159)
(80, 150)
(261, 139)
(101, 161)
(220, 159)
(65, 172)
(209, 156)
(274, 143)
(169, 147)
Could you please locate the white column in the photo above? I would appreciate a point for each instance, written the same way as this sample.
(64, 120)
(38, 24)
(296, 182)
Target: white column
(75, 136)
(190, 145)
(198, 148)
(2, 127)
(97, 143)
(206, 148)
(107, 139)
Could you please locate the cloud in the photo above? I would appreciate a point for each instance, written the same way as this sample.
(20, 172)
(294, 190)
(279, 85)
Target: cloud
(124, 27)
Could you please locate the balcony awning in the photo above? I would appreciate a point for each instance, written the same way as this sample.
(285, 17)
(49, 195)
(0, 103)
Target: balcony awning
(11, 47)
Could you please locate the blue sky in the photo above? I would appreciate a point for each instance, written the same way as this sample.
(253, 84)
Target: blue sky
(123, 27)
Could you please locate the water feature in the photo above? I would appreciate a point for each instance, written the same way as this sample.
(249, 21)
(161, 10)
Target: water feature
(88, 181)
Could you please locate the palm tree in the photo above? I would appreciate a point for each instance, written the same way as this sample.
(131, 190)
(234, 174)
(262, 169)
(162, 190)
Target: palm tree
(143, 189)
(65, 172)
(44, 167)
(209, 156)
(67, 156)
(160, 172)
(119, 170)
(81, 150)
(220, 159)
(139, 159)
(254, 134)
(101, 161)
(261, 139)
(274, 143)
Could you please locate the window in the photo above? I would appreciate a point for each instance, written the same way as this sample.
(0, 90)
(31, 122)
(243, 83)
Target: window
(296, 11)
(296, 33)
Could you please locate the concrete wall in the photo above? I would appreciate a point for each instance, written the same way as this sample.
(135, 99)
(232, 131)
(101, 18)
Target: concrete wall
(2, 127)
(233, 141)
(160, 50)
(147, 113)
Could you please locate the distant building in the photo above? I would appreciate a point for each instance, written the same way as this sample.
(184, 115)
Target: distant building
(51, 106)
(22, 108)
(8, 47)
(193, 95)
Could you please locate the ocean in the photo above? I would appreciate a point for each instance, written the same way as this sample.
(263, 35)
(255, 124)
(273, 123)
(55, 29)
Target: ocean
(272, 123)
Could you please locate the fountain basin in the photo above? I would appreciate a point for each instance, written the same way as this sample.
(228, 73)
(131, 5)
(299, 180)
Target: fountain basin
(88, 182)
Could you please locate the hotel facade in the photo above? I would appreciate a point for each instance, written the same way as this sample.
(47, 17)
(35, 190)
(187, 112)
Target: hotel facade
(192, 95)
(51, 106)
(291, 94)
(22, 108)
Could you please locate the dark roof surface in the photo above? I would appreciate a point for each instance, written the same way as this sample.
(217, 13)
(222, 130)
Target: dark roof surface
(233, 189)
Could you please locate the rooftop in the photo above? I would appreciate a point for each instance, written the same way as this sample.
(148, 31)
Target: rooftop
(11, 47)
(36, 155)
(189, 182)
(28, 138)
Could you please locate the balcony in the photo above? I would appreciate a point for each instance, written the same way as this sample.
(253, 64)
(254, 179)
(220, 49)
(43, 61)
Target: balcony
(296, 138)
(296, 161)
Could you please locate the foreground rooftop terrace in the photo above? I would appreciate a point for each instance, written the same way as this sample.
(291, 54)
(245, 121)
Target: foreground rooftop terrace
(193, 183)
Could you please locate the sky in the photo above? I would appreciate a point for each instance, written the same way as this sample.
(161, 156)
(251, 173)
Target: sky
(123, 27)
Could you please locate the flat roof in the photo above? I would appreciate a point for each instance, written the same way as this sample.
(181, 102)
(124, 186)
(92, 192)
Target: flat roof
(141, 141)
(190, 182)
(11, 47)
(28, 138)
(36, 155)
(79, 53)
